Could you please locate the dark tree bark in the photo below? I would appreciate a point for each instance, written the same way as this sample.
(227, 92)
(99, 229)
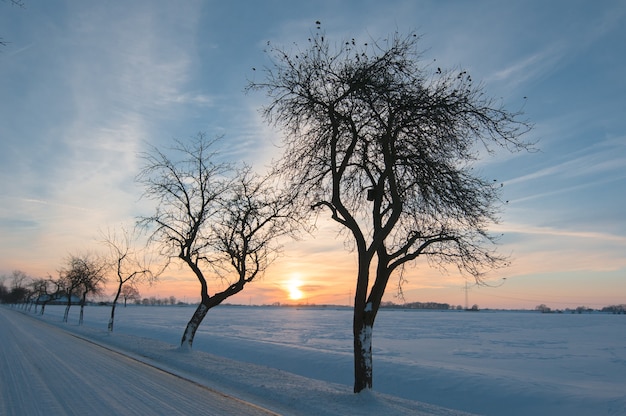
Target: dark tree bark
(214, 219)
(386, 146)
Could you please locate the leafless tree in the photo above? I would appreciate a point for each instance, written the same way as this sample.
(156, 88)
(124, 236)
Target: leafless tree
(219, 221)
(4, 292)
(130, 266)
(50, 290)
(84, 275)
(19, 279)
(129, 292)
(385, 144)
(69, 282)
(19, 292)
(39, 290)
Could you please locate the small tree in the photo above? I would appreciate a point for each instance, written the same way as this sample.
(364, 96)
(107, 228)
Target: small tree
(129, 266)
(543, 308)
(92, 282)
(4, 293)
(69, 282)
(130, 292)
(18, 295)
(385, 145)
(39, 291)
(51, 291)
(84, 274)
(20, 292)
(212, 221)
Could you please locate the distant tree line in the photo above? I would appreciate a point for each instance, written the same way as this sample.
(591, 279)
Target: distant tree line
(29, 292)
(81, 276)
(615, 309)
(154, 301)
(419, 305)
(84, 275)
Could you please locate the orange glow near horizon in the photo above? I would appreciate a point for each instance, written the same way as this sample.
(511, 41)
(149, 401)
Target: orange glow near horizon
(293, 286)
(320, 271)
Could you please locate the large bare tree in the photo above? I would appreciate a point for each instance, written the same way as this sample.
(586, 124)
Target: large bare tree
(220, 221)
(385, 144)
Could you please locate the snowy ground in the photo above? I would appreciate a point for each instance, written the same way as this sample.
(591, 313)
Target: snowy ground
(491, 363)
(47, 371)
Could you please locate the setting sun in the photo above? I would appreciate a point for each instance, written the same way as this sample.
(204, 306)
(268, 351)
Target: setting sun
(293, 286)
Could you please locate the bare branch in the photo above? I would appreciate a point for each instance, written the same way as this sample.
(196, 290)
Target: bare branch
(388, 147)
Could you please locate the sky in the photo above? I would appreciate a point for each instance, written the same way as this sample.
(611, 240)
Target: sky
(85, 86)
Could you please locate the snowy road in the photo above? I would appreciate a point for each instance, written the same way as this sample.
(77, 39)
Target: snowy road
(46, 371)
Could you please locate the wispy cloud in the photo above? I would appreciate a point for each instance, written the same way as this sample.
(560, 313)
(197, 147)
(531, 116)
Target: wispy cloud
(530, 67)
(554, 232)
(600, 158)
(193, 98)
(50, 203)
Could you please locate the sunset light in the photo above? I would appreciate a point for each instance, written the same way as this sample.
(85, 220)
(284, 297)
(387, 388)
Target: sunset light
(399, 207)
(293, 286)
(69, 166)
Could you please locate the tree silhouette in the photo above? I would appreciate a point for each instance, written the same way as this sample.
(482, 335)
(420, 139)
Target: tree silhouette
(214, 218)
(129, 265)
(386, 148)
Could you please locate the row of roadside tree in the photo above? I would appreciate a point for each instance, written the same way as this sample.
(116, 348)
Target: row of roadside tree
(374, 138)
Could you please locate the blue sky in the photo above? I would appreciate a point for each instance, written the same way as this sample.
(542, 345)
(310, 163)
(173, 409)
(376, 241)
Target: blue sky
(85, 85)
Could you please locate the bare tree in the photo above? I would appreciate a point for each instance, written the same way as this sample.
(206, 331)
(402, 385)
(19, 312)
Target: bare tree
(69, 282)
(19, 279)
(4, 292)
(84, 275)
(19, 292)
(129, 265)
(211, 221)
(129, 292)
(386, 145)
(39, 290)
(50, 290)
(92, 282)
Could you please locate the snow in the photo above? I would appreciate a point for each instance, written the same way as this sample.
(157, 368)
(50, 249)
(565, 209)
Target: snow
(365, 338)
(298, 361)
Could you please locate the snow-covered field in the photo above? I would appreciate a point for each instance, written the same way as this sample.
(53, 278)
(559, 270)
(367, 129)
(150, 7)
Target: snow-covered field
(491, 363)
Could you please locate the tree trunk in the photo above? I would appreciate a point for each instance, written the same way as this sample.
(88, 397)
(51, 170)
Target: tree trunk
(362, 331)
(67, 307)
(190, 331)
(82, 308)
(365, 312)
(112, 318)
